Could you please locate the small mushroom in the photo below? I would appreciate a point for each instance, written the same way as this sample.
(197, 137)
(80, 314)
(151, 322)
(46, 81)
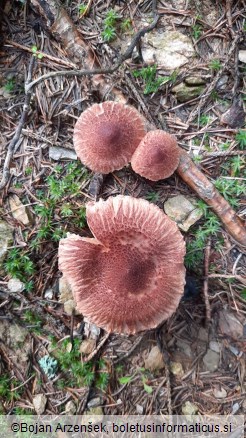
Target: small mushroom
(157, 156)
(107, 134)
(130, 277)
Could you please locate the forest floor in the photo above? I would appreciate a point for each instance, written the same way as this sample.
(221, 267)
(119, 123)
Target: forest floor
(199, 365)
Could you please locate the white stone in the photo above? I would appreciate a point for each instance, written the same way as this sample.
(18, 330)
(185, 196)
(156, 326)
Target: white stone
(70, 408)
(154, 361)
(220, 393)
(183, 211)
(139, 409)
(48, 294)
(189, 408)
(170, 50)
(65, 290)
(94, 402)
(242, 55)
(39, 403)
(57, 153)
(15, 285)
(87, 346)
(70, 308)
(19, 211)
(176, 369)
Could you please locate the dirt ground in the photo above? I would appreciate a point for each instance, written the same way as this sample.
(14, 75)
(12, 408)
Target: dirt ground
(199, 362)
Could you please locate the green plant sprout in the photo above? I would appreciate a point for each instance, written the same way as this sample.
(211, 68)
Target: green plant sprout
(241, 139)
(196, 31)
(19, 265)
(82, 8)
(215, 65)
(109, 25)
(204, 120)
(143, 375)
(151, 82)
(36, 52)
(126, 25)
(9, 86)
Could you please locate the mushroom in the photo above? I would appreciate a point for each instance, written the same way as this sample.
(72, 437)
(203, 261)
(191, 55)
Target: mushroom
(157, 156)
(107, 134)
(130, 276)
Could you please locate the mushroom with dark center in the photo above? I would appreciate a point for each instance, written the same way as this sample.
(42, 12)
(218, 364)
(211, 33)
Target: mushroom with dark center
(130, 276)
(107, 134)
(158, 156)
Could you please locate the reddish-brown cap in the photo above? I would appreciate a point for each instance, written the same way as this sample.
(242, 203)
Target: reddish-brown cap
(157, 156)
(130, 276)
(107, 134)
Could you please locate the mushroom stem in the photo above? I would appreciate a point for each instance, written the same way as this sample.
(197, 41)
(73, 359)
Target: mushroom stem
(188, 171)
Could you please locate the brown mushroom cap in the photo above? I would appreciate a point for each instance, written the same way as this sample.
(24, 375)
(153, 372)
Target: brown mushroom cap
(107, 134)
(130, 276)
(157, 156)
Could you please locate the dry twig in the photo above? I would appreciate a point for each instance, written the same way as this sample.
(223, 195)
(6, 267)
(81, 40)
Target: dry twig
(21, 124)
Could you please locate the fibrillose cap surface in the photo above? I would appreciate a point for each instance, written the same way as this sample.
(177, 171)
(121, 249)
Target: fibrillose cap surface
(107, 134)
(157, 156)
(130, 277)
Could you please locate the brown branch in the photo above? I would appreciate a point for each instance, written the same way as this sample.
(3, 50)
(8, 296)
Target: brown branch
(188, 171)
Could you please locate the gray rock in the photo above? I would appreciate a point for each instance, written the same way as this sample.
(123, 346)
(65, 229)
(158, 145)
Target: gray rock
(94, 402)
(91, 330)
(6, 239)
(202, 334)
(242, 55)
(15, 285)
(170, 50)
(183, 211)
(230, 325)
(234, 116)
(184, 92)
(183, 346)
(18, 342)
(194, 80)
(57, 153)
(211, 360)
(215, 346)
(154, 360)
(222, 82)
(39, 403)
(189, 408)
(19, 211)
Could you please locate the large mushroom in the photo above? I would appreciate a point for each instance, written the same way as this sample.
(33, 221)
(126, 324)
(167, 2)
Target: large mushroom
(130, 276)
(107, 134)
